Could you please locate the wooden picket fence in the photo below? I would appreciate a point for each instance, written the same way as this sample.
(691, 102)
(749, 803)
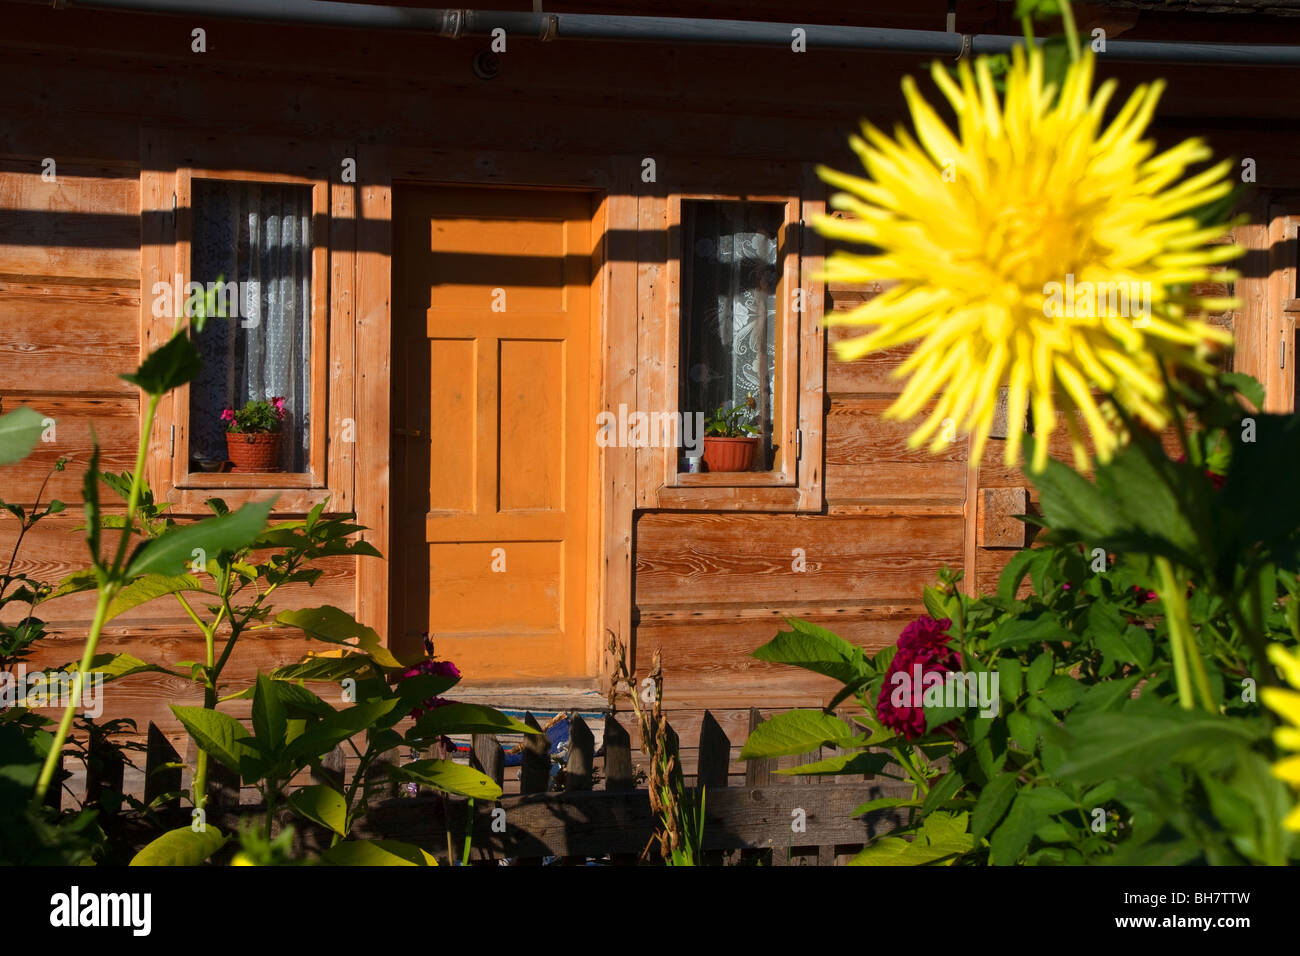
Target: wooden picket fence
(773, 819)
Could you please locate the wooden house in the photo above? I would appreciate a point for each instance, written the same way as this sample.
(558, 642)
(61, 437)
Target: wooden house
(467, 235)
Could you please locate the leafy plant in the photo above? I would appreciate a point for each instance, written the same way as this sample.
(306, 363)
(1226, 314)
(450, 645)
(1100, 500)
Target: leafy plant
(681, 815)
(258, 416)
(735, 422)
(1123, 725)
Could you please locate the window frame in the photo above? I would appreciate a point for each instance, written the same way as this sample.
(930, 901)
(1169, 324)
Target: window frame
(794, 483)
(166, 192)
(785, 398)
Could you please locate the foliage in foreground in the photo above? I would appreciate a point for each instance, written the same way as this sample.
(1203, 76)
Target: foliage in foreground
(1120, 721)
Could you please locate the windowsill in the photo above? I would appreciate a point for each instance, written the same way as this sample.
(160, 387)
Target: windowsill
(262, 479)
(733, 479)
(288, 499)
(718, 497)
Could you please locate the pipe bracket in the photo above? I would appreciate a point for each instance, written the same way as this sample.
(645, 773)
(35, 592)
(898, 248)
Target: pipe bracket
(453, 27)
(551, 28)
(964, 52)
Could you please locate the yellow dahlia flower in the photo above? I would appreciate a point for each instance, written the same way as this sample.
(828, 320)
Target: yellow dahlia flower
(1031, 248)
(1286, 703)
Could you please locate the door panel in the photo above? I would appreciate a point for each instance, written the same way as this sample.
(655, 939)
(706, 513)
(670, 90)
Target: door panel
(492, 428)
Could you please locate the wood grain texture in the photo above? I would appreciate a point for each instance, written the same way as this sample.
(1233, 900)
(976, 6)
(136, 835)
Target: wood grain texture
(79, 226)
(67, 338)
(74, 424)
(867, 457)
(703, 559)
(998, 526)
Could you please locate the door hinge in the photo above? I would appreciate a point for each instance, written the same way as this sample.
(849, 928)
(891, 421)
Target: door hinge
(171, 441)
(798, 444)
(1282, 359)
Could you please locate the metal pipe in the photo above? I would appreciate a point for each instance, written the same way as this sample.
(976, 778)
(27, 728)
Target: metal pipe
(456, 23)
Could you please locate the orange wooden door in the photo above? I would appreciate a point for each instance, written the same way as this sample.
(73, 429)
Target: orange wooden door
(492, 427)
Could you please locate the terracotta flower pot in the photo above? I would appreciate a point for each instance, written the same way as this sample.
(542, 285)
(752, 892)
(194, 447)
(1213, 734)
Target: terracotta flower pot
(254, 451)
(730, 454)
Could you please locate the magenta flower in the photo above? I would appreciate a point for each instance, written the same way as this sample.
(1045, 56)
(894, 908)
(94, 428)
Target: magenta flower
(430, 665)
(1143, 595)
(922, 650)
(228, 415)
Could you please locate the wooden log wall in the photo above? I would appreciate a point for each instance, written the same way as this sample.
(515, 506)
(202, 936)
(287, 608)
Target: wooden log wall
(79, 87)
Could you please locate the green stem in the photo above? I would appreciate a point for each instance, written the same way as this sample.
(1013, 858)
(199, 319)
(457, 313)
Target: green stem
(137, 480)
(912, 772)
(469, 830)
(109, 584)
(52, 758)
(1176, 618)
(1071, 34)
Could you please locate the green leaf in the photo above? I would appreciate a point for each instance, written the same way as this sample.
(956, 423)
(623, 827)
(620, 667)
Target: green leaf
(795, 732)
(90, 505)
(337, 727)
(1136, 742)
(450, 777)
(173, 549)
(322, 804)
(883, 803)
(113, 666)
(845, 763)
(323, 669)
(815, 649)
(336, 626)
(1131, 507)
(1039, 670)
(172, 365)
(221, 736)
(181, 847)
(942, 837)
(269, 720)
(1010, 678)
(993, 802)
(1247, 385)
(421, 687)
(461, 718)
(942, 792)
(1104, 695)
(936, 603)
(1011, 839)
(151, 586)
(74, 583)
(1026, 630)
(1014, 572)
(1061, 692)
(895, 851)
(1022, 731)
(20, 430)
(377, 853)
(1048, 800)
(298, 700)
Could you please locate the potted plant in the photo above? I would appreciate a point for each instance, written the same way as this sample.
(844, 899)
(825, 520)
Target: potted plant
(731, 438)
(253, 434)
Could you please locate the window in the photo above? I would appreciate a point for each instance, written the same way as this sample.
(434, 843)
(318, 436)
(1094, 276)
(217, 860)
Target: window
(731, 273)
(250, 223)
(252, 243)
(744, 321)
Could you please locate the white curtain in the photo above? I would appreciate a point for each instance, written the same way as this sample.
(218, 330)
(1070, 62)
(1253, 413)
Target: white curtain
(729, 280)
(258, 235)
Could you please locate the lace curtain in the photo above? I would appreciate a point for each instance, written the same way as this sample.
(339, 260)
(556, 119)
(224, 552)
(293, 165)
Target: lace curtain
(259, 236)
(728, 329)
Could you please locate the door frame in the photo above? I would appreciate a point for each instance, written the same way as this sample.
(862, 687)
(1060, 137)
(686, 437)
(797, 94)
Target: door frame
(612, 181)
